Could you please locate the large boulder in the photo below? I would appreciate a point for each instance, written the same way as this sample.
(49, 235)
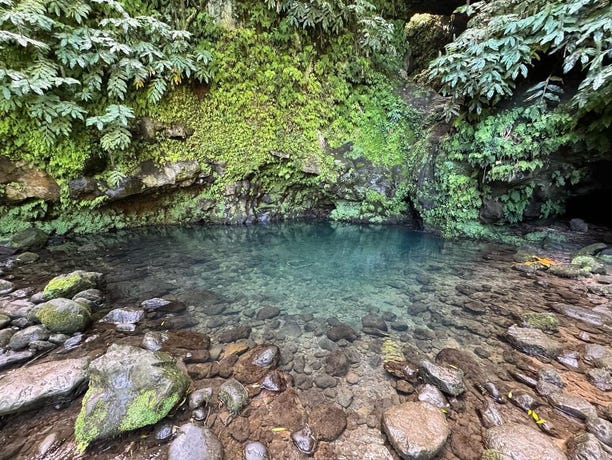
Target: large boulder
(521, 442)
(416, 430)
(63, 315)
(129, 388)
(29, 239)
(20, 182)
(71, 284)
(30, 387)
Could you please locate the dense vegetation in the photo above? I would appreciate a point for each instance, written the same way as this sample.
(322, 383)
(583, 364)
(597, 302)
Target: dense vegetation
(526, 85)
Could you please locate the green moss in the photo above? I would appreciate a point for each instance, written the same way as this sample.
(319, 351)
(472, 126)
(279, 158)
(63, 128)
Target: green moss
(147, 410)
(546, 322)
(86, 428)
(64, 319)
(66, 286)
(491, 454)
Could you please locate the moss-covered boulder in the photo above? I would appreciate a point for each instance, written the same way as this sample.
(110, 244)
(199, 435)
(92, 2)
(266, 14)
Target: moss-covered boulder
(129, 388)
(590, 263)
(70, 284)
(63, 315)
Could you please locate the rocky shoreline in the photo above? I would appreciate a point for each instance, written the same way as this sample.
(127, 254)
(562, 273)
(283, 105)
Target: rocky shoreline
(88, 379)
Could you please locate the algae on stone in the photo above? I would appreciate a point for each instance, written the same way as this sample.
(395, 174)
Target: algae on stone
(63, 315)
(546, 322)
(70, 284)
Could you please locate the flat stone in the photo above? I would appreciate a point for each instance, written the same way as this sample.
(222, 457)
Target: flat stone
(600, 378)
(13, 357)
(598, 355)
(585, 446)
(533, 342)
(430, 394)
(583, 314)
(374, 322)
(195, 442)
(123, 316)
(341, 331)
(327, 422)
(325, 381)
(267, 312)
(416, 430)
(448, 380)
(601, 428)
(337, 364)
(233, 334)
(573, 405)
(490, 416)
(520, 442)
(34, 386)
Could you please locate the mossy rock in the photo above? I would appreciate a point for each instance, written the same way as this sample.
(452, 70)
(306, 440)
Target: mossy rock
(29, 239)
(233, 396)
(491, 454)
(70, 284)
(589, 263)
(129, 388)
(569, 271)
(547, 322)
(590, 250)
(63, 315)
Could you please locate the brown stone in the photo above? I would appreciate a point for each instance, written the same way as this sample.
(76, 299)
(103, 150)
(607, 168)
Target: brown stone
(235, 348)
(328, 422)
(22, 182)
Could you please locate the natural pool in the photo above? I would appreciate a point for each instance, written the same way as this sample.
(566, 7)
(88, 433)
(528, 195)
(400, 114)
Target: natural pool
(342, 302)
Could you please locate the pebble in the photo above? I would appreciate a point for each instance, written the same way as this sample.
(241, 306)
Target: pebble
(255, 451)
(325, 381)
(304, 440)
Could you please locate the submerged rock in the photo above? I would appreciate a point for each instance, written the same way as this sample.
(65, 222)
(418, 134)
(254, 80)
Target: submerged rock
(63, 315)
(337, 364)
(233, 334)
(123, 316)
(327, 422)
(268, 312)
(70, 284)
(516, 441)
(30, 239)
(533, 342)
(341, 331)
(51, 382)
(195, 442)
(416, 430)
(304, 440)
(129, 388)
(430, 394)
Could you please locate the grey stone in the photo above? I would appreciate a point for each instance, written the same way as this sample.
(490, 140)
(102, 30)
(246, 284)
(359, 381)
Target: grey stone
(585, 446)
(29, 387)
(578, 225)
(267, 357)
(325, 381)
(341, 331)
(195, 442)
(163, 431)
(123, 316)
(268, 312)
(598, 355)
(601, 428)
(304, 440)
(94, 296)
(585, 315)
(255, 451)
(416, 430)
(200, 397)
(30, 239)
(153, 340)
(6, 287)
(327, 344)
(4, 320)
(374, 321)
(233, 396)
(234, 334)
(13, 357)
(490, 416)
(129, 388)
(430, 394)
(520, 442)
(448, 380)
(5, 336)
(22, 339)
(573, 405)
(601, 378)
(533, 342)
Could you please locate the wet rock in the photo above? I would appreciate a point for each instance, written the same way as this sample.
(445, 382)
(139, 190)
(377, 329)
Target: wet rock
(585, 315)
(163, 431)
(123, 316)
(63, 315)
(274, 381)
(325, 381)
(5, 336)
(399, 326)
(290, 329)
(430, 394)
(490, 416)
(13, 357)
(22, 339)
(195, 442)
(416, 430)
(129, 388)
(600, 378)
(266, 357)
(255, 451)
(68, 285)
(512, 440)
(340, 332)
(547, 322)
(598, 355)
(6, 287)
(327, 344)
(153, 341)
(585, 446)
(52, 382)
(403, 387)
(374, 322)
(233, 396)
(94, 298)
(449, 381)
(254, 364)
(268, 312)
(233, 334)
(30, 239)
(327, 422)
(578, 225)
(572, 405)
(304, 440)
(533, 342)
(74, 341)
(337, 364)
(26, 258)
(4, 321)
(523, 400)
(155, 303)
(200, 398)
(569, 360)
(602, 429)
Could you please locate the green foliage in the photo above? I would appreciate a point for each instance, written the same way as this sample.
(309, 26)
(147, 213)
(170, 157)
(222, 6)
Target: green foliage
(504, 37)
(67, 62)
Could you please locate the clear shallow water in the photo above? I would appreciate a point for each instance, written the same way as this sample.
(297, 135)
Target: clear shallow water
(322, 270)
